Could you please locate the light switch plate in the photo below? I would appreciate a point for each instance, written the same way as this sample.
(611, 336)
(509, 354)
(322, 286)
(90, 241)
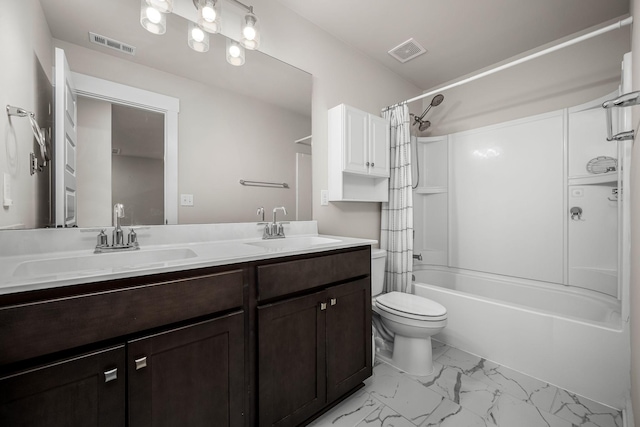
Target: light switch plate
(324, 197)
(186, 200)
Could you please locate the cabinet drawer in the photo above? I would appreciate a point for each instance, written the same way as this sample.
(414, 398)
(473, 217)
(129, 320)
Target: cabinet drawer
(44, 327)
(284, 278)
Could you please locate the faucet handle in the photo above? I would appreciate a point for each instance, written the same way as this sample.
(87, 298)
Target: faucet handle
(132, 238)
(102, 239)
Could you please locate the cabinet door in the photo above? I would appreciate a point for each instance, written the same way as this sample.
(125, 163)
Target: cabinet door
(355, 128)
(85, 391)
(191, 376)
(348, 336)
(379, 146)
(291, 366)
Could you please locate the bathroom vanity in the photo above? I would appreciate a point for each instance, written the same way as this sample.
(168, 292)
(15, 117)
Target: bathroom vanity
(272, 339)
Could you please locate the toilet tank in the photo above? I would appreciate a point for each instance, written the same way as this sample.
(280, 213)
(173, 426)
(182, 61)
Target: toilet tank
(378, 260)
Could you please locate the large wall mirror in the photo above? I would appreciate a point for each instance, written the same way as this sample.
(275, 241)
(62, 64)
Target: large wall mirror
(233, 123)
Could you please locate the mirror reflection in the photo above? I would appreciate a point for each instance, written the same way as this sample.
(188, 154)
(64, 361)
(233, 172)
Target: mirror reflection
(233, 123)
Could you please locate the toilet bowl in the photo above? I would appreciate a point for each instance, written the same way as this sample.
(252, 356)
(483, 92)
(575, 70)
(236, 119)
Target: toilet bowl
(412, 320)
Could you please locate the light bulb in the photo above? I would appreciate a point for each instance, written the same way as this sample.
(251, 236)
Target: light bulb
(153, 15)
(249, 32)
(197, 34)
(234, 51)
(209, 13)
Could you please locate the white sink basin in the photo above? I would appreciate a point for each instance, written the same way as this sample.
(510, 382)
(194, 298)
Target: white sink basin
(100, 262)
(294, 242)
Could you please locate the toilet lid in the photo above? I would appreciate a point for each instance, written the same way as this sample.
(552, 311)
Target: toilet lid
(410, 304)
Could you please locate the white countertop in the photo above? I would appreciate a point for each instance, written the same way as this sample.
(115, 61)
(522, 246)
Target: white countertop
(49, 258)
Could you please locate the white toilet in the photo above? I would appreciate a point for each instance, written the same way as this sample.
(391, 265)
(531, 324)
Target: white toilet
(411, 318)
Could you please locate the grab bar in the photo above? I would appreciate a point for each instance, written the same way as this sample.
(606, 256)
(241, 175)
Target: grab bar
(264, 184)
(627, 100)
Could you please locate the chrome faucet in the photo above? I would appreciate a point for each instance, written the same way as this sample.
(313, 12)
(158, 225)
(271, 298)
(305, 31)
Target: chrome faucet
(118, 235)
(274, 230)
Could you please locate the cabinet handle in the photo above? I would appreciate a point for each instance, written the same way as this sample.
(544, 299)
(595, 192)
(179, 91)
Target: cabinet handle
(367, 164)
(334, 301)
(141, 363)
(372, 164)
(323, 306)
(111, 375)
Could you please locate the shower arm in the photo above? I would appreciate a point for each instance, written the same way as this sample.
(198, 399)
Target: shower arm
(627, 100)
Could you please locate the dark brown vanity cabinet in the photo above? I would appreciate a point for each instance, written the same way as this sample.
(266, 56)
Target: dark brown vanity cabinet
(180, 361)
(190, 376)
(314, 348)
(270, 342)
(87, 390)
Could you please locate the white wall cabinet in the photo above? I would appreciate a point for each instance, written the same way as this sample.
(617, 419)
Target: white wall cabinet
(359, 150)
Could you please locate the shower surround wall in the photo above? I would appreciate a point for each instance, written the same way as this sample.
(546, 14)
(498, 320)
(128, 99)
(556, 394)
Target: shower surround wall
(503, 204)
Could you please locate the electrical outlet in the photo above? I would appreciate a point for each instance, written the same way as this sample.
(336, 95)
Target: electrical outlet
(186, 200)
(324, 197)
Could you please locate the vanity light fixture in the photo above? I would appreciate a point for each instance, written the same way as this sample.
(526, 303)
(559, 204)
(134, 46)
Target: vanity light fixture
(235, 53)
(209, 15)
(250, 32)
(197, 38)
(152, 19)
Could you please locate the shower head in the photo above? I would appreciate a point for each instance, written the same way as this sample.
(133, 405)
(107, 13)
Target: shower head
(424, 125)
(437, 100)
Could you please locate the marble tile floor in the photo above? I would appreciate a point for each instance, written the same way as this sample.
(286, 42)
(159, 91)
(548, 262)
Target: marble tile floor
(464, 391)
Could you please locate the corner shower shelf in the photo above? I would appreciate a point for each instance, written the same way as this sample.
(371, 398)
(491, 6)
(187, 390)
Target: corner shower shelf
(431, 190)
(603, 178)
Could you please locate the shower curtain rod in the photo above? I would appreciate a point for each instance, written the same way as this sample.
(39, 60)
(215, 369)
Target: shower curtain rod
(614, 26)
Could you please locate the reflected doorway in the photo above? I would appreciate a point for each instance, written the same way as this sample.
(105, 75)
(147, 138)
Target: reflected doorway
(120, 160)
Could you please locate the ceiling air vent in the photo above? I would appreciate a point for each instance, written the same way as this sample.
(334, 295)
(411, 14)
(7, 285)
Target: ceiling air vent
(111, 43)
(407, 50)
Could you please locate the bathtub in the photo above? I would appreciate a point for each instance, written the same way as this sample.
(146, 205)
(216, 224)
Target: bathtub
(569, 337)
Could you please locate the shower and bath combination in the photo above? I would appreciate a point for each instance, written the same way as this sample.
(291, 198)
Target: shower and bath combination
(422, 126)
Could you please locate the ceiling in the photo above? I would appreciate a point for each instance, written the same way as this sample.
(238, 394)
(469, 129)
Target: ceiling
(460, 36)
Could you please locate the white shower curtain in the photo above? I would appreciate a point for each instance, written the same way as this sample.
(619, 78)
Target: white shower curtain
(396, 234)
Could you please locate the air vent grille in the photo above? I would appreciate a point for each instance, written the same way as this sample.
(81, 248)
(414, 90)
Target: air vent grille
(111, 43)
(406, 51)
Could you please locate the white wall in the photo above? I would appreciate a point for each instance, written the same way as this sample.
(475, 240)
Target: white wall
(635, 225)
(23, 29)
(94, 163)
(138, 183)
